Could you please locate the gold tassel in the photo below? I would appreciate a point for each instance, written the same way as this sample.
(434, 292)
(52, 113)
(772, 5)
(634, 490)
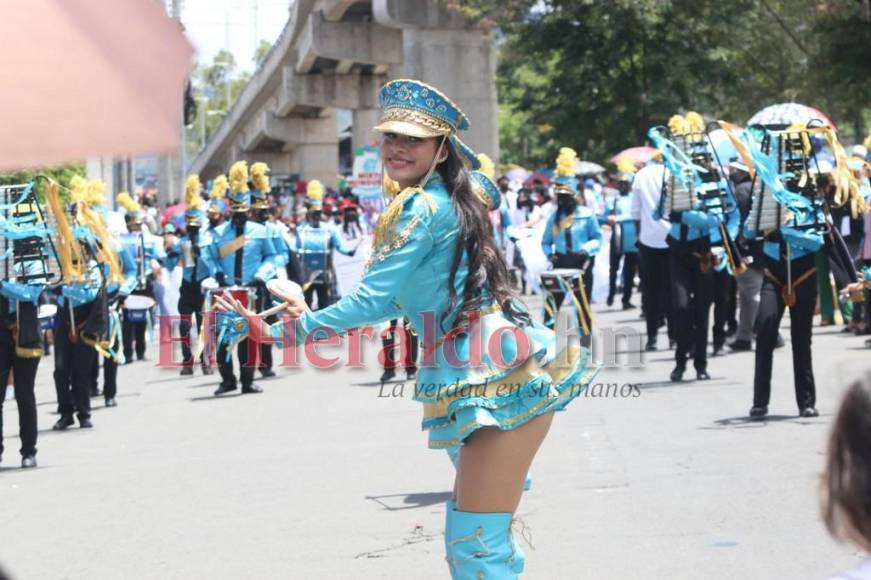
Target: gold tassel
(732, 133)
(68, 249)
(385, 228)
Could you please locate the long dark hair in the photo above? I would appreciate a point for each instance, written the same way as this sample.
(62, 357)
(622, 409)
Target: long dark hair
(487, 267)
(846, 485)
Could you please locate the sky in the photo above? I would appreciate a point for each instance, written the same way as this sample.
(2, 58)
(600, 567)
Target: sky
(205, 22)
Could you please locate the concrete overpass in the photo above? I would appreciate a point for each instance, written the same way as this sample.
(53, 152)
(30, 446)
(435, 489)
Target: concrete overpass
(336, 54)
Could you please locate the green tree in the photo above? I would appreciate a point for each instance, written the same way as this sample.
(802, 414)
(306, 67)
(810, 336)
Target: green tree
(61, 174)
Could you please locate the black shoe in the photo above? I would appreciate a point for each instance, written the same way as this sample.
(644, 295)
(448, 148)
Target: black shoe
(111, 402)
(740, 345)
(410, 374)
(809, 412)
(267, 373)
(208, 370)
(64, 422)
(225, 388)
(718, 350)
(250, 389)
(387, 375)
(780, 342)
(186, 371)
(28, 461)
(677, 374)
(140, 357)
(96, 392)
(628, 306)
(758, 412)
(650, 346)
(672, 343)
(703, 376)
(85, 423)
(610, 300)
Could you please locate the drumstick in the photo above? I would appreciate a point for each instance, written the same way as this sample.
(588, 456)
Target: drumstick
(274, 310)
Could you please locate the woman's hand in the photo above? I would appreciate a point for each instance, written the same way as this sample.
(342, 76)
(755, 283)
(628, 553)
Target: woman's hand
(227, 303)
(295, 304)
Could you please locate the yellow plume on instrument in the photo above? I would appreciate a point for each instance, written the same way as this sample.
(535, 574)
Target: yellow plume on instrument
(259, 177)
(626, 165)
(315, 190)
(488, 168)
(192, 190)
(695, 123)
(239, 177)
(96, 189)
(677, 125)
(565, 162)
(78, 188)
(128, 203)
(105, 250)
(219, 187)
(847, 186)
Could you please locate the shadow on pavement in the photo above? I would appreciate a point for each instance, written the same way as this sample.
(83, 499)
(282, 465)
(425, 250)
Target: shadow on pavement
(406, 501)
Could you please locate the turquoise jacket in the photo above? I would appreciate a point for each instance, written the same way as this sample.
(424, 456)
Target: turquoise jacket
(586, 235)
(198, 272)
(314, 244)
(258, 254)
(621, 207)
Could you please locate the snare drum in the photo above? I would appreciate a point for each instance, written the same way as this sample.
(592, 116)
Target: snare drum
(137, 306)
(550, 279)
(243, 294)
(47, 315)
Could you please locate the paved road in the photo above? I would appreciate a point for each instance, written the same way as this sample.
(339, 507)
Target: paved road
(321, 477)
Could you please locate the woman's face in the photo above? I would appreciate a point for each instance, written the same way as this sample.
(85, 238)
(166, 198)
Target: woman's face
(407, 159)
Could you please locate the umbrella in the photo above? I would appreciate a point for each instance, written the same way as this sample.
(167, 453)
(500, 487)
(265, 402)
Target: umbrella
(89, 78)
(588, 168)
(542, 176)
(638, 155)
(517, 173)
(786, 114)
(171, 212)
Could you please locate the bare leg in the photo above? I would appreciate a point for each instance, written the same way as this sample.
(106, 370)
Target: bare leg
(494, 464)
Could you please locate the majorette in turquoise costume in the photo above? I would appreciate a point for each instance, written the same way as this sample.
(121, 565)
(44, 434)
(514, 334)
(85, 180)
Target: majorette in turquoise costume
(518, 375)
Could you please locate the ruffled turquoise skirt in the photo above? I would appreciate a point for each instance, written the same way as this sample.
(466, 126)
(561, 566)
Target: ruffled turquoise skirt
(530, 379)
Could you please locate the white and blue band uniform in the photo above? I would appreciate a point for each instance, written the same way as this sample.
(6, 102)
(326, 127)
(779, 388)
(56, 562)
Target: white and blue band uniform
(21, 351)
(146, 248)
(724, 278)
(82, 311)
(571, 239)
(799, 242)
(188, 250)
(314, 243)
(116, 294)
(624, 236)
(241, 253)
(284, 259)
(692, 282)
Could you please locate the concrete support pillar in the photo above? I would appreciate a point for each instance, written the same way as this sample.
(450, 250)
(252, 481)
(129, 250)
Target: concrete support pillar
(103, 168)
(361, 127)
(462, 64)
(317, 154)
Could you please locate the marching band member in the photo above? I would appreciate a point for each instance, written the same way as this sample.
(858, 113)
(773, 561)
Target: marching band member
(690, 256)
(284, 256)
(188, 250)
(92, 272)
(314, 243)
(20, 340)
(572, 237)
(618, 214)
(243, 255)
(149, 252)
(116, 293)
(217, 203)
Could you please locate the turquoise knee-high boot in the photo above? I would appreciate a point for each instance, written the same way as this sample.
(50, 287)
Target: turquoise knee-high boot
(480, 547)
